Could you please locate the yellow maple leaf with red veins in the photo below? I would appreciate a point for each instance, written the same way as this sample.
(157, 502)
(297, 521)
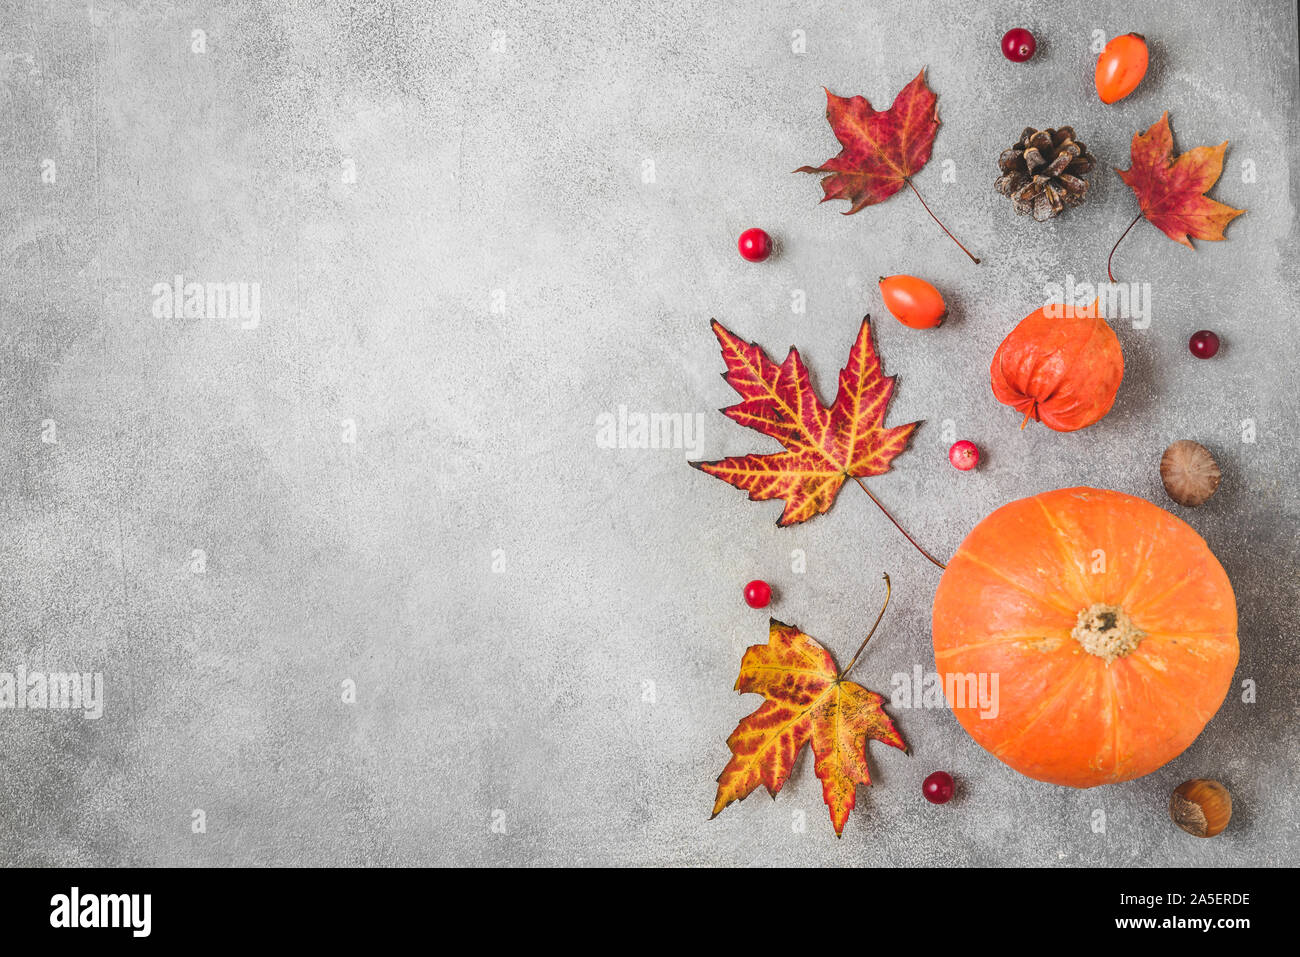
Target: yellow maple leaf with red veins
(807, 700)
(823, 446)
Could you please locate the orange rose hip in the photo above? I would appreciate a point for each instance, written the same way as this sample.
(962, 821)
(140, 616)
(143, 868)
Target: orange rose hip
(1121, 67)
(913, 302)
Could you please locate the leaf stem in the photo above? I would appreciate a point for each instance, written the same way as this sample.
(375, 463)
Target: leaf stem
(908, 181)
(1110, 274)
(896, 525)
(888, 591)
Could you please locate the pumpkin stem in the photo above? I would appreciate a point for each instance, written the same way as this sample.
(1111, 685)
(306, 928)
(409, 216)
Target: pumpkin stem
(1110, 274)
(896, 525)
(908, 181)
(1106, 631)
(854, 660)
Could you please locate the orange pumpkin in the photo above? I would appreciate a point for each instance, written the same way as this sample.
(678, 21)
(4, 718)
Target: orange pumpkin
(1061, 367)
(1109, 623)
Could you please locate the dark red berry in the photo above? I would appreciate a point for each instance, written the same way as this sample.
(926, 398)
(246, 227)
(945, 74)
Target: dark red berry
(938, 788)
(755, 245)
(1018, 45)
(964, 455)
(1204, 344)
(758, 593)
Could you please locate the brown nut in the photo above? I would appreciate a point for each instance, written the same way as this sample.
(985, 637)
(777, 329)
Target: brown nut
(1189, 472)
(1201, 807)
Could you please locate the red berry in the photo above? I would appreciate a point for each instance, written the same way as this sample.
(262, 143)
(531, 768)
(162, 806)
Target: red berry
(755, 245)
(1204, 344)
(938, 788)
(1018, 45)
(964, 455)
(758, 593)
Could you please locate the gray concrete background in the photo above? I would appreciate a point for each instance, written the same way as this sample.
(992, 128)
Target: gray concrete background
(498, 276)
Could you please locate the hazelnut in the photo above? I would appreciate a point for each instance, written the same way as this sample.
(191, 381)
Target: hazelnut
(1189, 472)
(1201, 807)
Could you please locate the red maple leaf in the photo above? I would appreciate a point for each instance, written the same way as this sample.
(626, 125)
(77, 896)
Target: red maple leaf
(807, 699)
(882, 150)
(823, 446)
(1171, 191)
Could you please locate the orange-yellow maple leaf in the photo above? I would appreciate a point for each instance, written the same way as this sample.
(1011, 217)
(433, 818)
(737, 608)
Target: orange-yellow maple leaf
(806, 700)
(1171, 192)
(824, 446)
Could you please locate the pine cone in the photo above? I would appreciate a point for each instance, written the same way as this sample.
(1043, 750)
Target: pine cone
(1043, 172)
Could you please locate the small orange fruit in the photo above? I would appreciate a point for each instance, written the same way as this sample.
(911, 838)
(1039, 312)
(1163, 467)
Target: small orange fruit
(913, 302)
(1121, 67)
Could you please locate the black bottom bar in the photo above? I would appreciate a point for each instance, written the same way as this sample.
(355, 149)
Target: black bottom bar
(335, 907)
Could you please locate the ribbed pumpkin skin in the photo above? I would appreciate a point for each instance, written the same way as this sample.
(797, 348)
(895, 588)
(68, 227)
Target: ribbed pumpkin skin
(1011, 595)
(1062, 371)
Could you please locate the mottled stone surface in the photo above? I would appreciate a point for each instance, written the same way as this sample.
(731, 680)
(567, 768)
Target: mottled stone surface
(474, 230)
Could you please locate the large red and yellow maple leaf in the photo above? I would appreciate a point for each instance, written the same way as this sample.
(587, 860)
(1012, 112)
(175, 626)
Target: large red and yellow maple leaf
(1171, 191)
(807, 700)
(881, 149)
(823, 446)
